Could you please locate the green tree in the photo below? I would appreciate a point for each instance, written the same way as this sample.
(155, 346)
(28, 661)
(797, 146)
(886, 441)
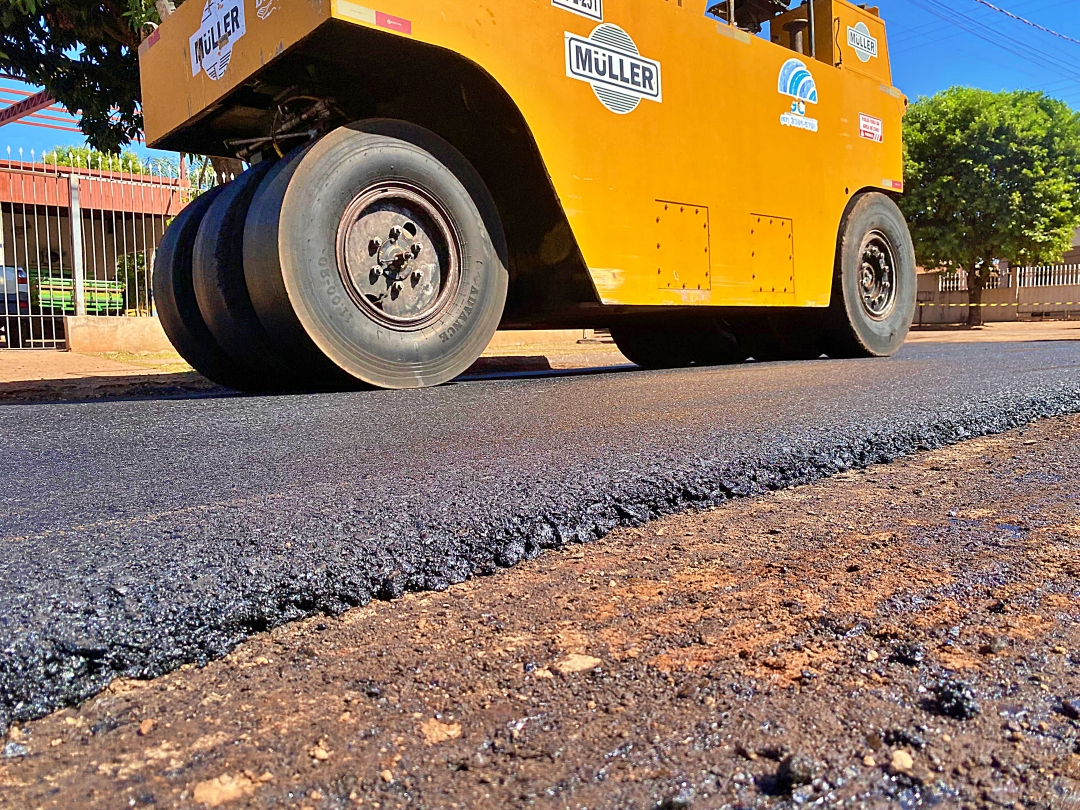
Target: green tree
(990, 176)
(200, 175)
(89, 158)
(85, 53)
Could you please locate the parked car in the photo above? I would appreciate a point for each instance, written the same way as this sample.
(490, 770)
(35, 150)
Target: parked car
(15, 290)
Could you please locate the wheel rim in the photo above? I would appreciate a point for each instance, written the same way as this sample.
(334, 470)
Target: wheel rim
(398, 255)
(877, 276)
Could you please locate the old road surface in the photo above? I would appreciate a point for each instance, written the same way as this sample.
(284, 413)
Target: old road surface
(141, 535)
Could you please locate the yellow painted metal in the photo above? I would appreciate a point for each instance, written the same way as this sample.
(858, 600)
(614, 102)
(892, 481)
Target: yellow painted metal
(682, 246)
(174, 93)
(772, 256)
(720, 135)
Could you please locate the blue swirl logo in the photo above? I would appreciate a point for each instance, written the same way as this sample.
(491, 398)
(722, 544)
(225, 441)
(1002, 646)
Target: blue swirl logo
(797, 82)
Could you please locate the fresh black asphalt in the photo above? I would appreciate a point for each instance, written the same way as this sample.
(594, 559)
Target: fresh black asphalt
(139, 535)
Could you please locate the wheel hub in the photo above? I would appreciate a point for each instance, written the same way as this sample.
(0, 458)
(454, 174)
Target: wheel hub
(397, 257)
(877, 276)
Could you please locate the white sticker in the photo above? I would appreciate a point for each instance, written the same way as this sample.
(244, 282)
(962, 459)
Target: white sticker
(797, 81)
(872, 129)
(593, 9)
(264, 8)
(610, 61)
(860, 40)
(212, 45)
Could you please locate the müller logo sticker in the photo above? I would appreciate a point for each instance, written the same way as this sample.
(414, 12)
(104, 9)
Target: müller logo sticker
(870, 128)
(212, 45)
(796, 81)
(609, 61)
(862, 42)
(593, 9)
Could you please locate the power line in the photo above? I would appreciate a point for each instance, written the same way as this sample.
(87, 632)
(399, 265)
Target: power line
(927, 29)
(1028, 22)
(1048, 61)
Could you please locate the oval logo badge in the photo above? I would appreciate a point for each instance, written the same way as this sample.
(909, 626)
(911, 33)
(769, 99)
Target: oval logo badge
(862, 42)
(222, 24)
(609, 60)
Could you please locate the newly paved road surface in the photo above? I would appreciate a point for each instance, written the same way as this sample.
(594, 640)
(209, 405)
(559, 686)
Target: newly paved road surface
(139, 535)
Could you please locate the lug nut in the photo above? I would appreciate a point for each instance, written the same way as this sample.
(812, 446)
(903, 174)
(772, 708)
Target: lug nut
(417, 275)
(416, 248)
(395, 232)
(398, 286)
(374, 245)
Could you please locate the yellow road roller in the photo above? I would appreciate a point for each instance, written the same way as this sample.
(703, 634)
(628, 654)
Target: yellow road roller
(711, 180)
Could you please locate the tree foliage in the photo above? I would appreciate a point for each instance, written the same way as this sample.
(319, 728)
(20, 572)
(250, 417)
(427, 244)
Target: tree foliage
(991, 176)
(85, 157)
(199, 174)
(84, 52)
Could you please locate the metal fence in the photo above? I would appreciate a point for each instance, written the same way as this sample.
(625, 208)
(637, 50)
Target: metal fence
(1057, 276)
(957, 281)
(76, 240)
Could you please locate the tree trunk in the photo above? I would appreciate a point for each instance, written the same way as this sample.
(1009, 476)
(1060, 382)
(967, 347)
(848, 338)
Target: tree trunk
(976, 282)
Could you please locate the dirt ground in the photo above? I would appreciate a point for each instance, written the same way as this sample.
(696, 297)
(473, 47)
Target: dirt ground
(905, 636)
(997, 332)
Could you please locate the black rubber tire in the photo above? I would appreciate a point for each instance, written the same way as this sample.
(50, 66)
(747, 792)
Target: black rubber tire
(783, 336)
(292, 265)
(221, 289)
(850, 330)
(654, 344)
(262, 277)
(178, 309)
(715, 343)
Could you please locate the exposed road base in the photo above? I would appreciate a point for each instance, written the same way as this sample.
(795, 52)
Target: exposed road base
(907, 633)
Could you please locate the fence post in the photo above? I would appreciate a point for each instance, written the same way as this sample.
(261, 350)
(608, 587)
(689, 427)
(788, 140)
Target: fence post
(78, 265)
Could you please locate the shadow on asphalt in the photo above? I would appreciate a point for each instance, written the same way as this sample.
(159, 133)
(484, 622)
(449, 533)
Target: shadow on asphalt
(190, 385)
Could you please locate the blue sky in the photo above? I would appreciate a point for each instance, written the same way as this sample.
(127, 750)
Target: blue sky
(929, 54)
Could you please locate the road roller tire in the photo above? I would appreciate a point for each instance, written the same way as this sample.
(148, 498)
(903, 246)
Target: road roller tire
(378, 250)
(293, 348)
(715, 343)
(221, 289)
(875, 288)
(178, 308)
(783, 336)
(654, 345)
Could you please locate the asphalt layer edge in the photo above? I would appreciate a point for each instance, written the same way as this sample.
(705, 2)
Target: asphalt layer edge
(29, 690)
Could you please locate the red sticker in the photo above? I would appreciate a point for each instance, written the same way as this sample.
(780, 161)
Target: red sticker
(393, 23)
(870, 128)
(150, 41)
